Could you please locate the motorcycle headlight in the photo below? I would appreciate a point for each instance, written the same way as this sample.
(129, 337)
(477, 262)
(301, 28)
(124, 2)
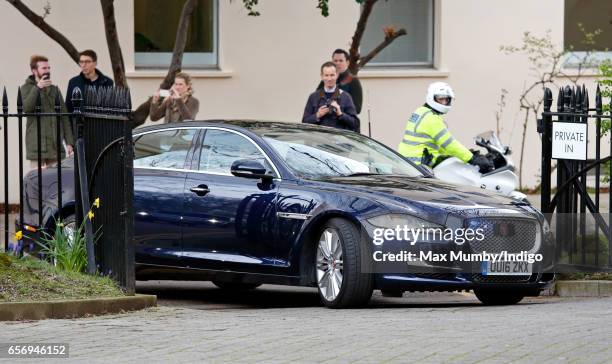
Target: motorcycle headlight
(391, 221)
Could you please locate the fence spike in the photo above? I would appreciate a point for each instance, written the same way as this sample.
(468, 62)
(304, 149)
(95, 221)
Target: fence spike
(19, 100)
(98, 98)
(77, 98)
(585, 103)
(560, 98)
(109, 98)
(547, 98)
(598, 103)
(128, 100)
(38, 100)
(4, 101)
(58, 102)
(116, 100)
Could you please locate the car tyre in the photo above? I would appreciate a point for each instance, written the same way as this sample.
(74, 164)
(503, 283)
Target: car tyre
(236, 286)
(491, 297)
(338, 253)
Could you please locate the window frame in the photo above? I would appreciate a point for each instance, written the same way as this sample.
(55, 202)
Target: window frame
(192, 165)
(188, 154)
(433, 47)
(161, 60)
(195, 165)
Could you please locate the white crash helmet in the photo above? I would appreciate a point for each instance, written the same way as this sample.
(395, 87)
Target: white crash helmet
(439, 89)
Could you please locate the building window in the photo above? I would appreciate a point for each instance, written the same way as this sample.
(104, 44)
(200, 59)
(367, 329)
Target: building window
(591, 16)
(413, 49)
(155, 25)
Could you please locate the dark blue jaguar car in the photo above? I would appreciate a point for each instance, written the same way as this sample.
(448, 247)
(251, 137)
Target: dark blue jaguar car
(242, 203)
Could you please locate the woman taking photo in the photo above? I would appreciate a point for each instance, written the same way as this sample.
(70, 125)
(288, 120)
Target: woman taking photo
(179, 105)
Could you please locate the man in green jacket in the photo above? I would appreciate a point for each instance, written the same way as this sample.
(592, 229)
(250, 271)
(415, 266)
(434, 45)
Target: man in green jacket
(40, 81)
(427, 139)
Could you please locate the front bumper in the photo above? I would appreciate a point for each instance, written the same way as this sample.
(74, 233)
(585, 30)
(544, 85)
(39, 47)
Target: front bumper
(441, 282)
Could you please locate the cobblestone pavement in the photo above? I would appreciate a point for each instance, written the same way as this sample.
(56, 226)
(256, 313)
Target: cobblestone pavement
(196, 322)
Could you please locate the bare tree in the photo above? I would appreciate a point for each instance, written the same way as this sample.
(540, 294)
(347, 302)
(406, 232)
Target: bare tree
(546, 64)
(112, 39)
(114, 47)
(356, 61)
(53, 33)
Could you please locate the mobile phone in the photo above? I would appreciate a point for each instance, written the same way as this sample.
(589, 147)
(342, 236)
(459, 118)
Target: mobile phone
(164, 93)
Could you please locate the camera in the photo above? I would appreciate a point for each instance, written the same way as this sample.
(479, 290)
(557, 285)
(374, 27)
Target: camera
(164, 93)
(332, 108)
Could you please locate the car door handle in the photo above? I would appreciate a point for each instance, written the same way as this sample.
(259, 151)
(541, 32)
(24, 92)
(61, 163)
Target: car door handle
(200, 190)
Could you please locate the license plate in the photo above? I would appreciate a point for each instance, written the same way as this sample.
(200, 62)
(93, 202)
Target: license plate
(506, 268)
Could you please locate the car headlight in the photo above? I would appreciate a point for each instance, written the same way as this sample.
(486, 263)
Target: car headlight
(391, 221)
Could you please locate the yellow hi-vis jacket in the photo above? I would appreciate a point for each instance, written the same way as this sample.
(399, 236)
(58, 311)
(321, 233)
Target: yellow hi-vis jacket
(427, 129)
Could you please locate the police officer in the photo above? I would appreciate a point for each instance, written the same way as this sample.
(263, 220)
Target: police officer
(427, 138)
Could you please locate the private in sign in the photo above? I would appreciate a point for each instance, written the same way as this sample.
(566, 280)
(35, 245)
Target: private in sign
(569, 136)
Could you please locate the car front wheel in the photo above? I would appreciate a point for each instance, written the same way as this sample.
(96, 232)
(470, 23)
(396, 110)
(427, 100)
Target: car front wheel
(339, 278)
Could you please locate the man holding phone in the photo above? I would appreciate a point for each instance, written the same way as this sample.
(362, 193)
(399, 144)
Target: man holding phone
(40, 81)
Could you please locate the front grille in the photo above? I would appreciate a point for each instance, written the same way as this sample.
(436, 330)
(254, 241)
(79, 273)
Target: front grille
(516, 236)
(479, 278)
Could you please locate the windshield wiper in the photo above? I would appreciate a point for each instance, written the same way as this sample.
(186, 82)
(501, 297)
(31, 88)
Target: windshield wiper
(357, 174)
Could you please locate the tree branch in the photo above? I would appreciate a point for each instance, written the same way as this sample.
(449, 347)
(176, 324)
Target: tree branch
(179, 43)
(359, 30)
(112, 40)
(388, 39)
(53, 33)
(142, 112)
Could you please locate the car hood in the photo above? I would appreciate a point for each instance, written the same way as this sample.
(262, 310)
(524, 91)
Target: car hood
(403, 191)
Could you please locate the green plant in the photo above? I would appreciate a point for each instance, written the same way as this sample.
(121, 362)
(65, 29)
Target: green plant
(67, 252)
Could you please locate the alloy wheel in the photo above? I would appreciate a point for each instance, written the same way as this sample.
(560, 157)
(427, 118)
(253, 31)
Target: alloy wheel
(329, 264)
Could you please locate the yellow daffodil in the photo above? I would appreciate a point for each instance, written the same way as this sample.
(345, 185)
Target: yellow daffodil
(18, 235)
(90, 215)
(97, 202)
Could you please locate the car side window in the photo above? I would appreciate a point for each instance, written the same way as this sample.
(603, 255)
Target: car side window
(163, 149)
(221, 148)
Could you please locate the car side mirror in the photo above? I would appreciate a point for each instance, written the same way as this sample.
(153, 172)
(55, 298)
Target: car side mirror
(249, 168)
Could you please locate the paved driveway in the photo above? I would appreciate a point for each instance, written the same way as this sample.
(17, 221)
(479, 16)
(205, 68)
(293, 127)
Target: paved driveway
(195, 321)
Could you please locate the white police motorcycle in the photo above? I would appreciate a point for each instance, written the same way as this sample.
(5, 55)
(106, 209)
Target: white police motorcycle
(502, 179)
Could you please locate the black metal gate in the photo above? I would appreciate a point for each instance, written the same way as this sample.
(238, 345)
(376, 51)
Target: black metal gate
(103, 163)
(578, 247)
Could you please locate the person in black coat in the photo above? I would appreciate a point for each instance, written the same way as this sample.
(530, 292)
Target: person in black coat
(90, 76)
(346, 80)
(331, 106)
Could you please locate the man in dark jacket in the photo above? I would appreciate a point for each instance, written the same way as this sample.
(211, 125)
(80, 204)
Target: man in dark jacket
(331, 106)
(346, 80)
(90, 76)
(40, 81)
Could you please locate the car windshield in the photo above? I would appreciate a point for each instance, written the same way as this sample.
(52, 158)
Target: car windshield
(320, 153)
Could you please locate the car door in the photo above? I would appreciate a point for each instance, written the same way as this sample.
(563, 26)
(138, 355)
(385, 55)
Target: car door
(228, 221)
(159, 178)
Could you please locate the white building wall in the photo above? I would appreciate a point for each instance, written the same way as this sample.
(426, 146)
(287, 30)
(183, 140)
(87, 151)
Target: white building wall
(269, 64)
